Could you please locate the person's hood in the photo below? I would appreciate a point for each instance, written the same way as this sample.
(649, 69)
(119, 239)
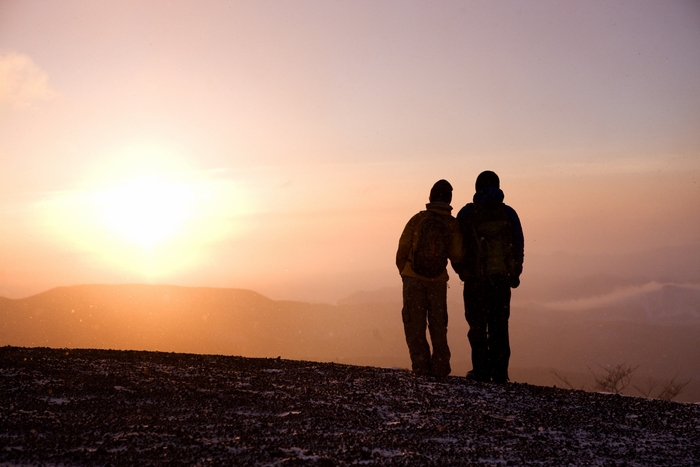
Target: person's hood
(489, 195)
(439, 206)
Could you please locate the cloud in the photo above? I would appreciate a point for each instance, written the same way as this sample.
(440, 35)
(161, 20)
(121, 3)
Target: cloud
(651, 291)
(22, 82)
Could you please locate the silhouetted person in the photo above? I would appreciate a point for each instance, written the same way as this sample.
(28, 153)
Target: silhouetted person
(490, 267)
(429, 239)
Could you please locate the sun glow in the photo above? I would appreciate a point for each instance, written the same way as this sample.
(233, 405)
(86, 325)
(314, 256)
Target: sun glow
(148, 227)
(147, 211)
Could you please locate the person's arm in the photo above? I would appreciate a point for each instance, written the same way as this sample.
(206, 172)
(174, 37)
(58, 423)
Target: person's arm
(518, 239)
(456, 248)
(405, 245)
(462, 265)
(518, 246)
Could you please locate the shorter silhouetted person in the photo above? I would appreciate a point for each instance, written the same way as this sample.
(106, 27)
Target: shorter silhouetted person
(429, 239)
(491, 265)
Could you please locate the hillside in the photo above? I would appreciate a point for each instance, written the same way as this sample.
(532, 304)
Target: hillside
(197, 320)
(632, 323)
(124, 408)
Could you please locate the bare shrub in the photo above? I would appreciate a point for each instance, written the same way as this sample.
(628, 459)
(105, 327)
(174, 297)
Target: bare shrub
(617, 378)
(614, 378)
(649, 386)
(672, 388)
(669, 388)
(564, 381)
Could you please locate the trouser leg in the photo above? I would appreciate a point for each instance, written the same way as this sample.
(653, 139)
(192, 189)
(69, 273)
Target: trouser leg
(499, 342)
(414, 314)
(476, 314)
(437, 326)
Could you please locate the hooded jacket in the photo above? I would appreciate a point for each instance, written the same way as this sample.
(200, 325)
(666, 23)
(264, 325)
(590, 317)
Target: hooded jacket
(490, 196)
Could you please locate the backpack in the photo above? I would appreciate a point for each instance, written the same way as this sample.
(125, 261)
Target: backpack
(432, 246)
(492, 235)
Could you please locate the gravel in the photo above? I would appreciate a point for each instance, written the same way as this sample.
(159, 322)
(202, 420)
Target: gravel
(126, 408)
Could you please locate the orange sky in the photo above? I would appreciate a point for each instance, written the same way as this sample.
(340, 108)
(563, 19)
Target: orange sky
(282, 146)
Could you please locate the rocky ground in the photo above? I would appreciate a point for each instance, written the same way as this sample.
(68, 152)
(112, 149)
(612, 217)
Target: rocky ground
(127, 408)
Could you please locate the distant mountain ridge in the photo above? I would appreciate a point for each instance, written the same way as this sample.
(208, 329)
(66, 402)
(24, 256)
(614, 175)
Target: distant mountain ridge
(592, 297)
(383, 295)
(192, 319)
(246, 323)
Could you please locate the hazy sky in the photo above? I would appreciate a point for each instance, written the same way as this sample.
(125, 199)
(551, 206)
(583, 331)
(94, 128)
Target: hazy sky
(282, 146)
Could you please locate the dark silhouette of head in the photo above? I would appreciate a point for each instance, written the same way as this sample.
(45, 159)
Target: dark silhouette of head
(487, 179)
(441, 192)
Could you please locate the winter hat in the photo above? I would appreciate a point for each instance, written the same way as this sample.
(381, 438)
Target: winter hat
(441, 192)
(487, 179)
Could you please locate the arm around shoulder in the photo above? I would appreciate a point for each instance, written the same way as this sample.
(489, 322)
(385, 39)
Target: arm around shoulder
(456, 245)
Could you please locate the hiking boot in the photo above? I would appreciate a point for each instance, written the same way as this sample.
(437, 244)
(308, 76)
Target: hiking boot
(422, 372)
(472, 376)
(439, 376)
(443, 373)
(501, 379)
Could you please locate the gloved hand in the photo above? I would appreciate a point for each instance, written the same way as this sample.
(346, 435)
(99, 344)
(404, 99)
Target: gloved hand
(514, 281)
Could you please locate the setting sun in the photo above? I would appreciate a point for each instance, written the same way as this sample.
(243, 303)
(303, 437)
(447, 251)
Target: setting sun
(146, 211)
(146, 226)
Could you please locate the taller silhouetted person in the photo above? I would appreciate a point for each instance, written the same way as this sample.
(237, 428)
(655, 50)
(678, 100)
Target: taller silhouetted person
(429, 239)
(491, 265)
